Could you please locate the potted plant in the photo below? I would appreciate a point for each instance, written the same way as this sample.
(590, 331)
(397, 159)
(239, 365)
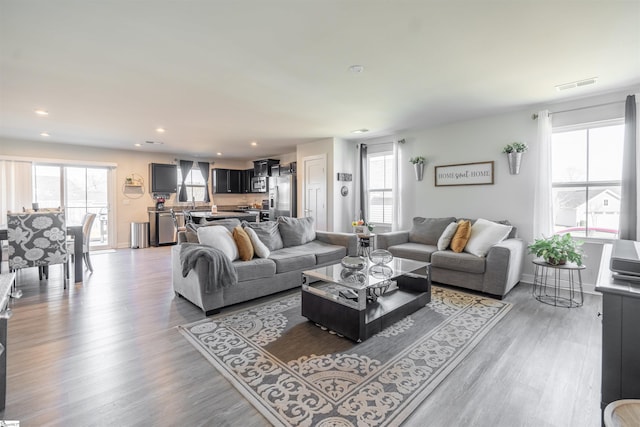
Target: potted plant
(557, 250)
(514, 155)
(515, 147)
(418, 164)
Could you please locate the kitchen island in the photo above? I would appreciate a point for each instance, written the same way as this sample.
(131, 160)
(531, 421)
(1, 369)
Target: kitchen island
(202, 216)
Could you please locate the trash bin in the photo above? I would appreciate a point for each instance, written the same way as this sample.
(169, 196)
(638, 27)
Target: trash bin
(139, 235)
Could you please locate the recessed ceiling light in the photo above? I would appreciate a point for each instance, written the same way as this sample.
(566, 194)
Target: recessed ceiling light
(137, 144)
(253, 143)
(360, 131)
(219, 154)
(356, 69)
(44, 134)
(41, 112)
(577, 84)
(160, 130)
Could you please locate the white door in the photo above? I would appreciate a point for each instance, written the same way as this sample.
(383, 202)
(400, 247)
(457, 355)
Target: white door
(315, 190)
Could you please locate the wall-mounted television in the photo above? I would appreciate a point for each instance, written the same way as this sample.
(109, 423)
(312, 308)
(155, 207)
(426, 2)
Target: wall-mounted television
(163, 178)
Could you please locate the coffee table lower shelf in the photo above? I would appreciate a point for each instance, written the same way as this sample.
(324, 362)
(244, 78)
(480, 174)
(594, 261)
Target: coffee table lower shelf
(358, 325)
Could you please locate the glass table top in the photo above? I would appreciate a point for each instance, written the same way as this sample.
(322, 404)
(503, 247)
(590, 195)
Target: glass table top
(368, 276)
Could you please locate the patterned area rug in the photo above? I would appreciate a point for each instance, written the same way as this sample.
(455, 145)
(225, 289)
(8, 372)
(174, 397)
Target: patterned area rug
(296, 373)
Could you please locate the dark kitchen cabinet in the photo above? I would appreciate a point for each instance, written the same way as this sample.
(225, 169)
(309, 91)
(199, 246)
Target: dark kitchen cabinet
(284, 169)
(246, 180)
(263, 167)
(227, 180)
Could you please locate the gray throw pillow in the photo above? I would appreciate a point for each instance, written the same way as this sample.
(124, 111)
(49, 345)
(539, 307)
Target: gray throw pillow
(428, 230)
(267, 232)
(296, 231)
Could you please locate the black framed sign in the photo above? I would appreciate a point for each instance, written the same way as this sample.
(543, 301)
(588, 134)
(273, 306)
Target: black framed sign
(479, 173)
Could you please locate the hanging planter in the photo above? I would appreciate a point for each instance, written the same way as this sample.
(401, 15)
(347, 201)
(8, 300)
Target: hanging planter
(514, 162)
(514, 156)
(418, 165)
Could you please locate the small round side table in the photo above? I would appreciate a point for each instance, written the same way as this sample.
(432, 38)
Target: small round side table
(548, 286)
(365, 243)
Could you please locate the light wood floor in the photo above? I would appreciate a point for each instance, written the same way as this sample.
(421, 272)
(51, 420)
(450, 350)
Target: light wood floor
(107, 352)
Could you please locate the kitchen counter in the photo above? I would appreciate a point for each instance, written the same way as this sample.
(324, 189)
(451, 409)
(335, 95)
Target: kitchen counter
(210, 216)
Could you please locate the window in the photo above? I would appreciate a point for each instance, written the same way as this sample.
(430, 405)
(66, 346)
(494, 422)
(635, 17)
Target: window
(380, 161)
(80, 190)
(586, 172)
(195, 184)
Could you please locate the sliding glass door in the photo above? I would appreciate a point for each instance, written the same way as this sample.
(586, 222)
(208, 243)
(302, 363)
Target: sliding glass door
(81, 190)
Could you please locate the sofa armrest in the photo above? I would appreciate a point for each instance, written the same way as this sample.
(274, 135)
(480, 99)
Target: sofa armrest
(348, 240)
(505, 261)
(385, 240)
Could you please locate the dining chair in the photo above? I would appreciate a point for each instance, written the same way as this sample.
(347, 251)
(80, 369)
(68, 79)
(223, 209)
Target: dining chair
(87, 224)
(37, 240)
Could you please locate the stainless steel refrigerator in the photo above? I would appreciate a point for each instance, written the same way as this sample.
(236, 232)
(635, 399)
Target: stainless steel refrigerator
(282, 196)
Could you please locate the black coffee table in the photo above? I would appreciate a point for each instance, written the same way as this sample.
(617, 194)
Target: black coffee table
(359, 303)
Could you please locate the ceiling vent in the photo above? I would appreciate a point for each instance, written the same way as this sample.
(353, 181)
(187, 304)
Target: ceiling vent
(154, 142)
(579, 83)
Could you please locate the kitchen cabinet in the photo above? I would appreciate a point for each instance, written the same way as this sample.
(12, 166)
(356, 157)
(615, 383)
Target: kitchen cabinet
(284, 169)
(227, 181)
(263, 167)
(245, 186)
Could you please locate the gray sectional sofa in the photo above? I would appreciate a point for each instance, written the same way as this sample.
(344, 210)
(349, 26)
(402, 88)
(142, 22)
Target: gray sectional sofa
(495, 273)
(257, 277)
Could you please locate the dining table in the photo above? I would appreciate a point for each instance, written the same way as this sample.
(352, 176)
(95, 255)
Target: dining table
(72, 230)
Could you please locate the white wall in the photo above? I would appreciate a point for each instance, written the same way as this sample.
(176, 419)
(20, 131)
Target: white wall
(344, 161)
(340, 156)
(480, 140)
(128, 162)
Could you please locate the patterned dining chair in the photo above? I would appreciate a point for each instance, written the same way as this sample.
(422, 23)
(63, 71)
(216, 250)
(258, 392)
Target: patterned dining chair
(38, 240)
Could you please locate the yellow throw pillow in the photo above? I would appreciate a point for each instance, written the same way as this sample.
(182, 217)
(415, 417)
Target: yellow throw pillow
(462, 235)
(245, 248)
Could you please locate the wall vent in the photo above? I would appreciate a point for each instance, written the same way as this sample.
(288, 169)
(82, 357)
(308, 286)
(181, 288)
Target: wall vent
(579, 83)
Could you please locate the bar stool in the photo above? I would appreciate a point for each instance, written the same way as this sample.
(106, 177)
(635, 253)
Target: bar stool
(622, 413)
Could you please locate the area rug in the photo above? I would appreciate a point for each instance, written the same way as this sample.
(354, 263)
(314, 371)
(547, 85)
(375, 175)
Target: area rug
(297, 373)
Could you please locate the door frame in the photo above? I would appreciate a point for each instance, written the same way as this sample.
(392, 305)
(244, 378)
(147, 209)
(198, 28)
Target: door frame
(303, 191)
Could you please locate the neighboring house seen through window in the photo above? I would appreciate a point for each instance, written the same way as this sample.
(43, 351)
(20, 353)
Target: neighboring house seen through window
(586, 179)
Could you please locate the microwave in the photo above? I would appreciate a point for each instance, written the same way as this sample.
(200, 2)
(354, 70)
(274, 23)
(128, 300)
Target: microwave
(259, 184)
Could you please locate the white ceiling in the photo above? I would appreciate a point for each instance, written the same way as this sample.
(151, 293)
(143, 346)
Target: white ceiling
(220, 74)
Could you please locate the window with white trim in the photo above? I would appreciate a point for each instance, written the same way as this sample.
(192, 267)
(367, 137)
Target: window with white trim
(586, 174)
(380, 161)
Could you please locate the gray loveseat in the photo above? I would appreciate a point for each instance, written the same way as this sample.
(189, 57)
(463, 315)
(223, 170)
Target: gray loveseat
(495, 274)
(280, 270)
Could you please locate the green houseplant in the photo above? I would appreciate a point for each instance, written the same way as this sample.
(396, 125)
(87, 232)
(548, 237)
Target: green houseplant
(515, 147)
(557, 250)
(418, 165)
(514, 153)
